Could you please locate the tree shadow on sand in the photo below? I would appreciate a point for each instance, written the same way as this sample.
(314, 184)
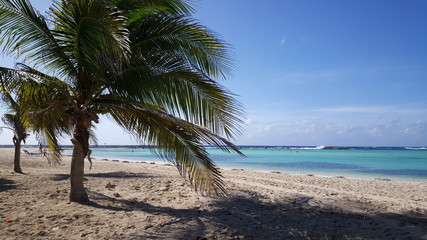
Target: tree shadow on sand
(119, 174)
(248, 216)
(6, 184)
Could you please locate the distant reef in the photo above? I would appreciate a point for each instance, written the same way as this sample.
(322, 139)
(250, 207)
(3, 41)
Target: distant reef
(336, 148)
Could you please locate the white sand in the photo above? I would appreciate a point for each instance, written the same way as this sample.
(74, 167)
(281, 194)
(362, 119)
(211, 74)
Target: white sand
(151, 201)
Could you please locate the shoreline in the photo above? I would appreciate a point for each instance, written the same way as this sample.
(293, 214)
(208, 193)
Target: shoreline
(296, 172)
(287, 171)
(143, 200)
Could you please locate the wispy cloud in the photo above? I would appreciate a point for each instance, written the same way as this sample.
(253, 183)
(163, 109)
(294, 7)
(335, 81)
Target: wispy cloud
(354, 109)
(391, 132)
(373, 109)
(283, 41)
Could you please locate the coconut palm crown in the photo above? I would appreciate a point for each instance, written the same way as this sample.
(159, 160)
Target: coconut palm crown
(13, 122)
(146, 64)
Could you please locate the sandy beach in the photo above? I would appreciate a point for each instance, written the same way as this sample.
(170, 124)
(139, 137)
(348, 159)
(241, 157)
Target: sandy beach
(151, 201)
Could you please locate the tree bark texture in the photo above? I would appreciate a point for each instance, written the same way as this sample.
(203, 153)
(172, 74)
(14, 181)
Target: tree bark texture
(78, 192)
(17, 158)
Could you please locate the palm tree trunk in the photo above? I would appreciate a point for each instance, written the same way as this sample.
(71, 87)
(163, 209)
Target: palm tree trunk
(17, 158)
(78, 192)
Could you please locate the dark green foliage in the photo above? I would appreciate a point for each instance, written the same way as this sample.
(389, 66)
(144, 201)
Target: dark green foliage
(146, 64)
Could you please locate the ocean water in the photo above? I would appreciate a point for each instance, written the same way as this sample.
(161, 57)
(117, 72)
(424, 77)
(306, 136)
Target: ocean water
(393, 163)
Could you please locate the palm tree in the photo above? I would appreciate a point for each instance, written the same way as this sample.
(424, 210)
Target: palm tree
(14, 121)
(146, 64)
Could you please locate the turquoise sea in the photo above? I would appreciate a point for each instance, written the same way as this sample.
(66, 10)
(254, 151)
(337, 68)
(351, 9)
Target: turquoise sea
(359, 162)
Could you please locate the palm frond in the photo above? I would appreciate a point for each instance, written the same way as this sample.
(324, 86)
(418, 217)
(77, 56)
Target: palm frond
(173, 65)
(37, 45)
(137, 9)
(183, 38)
(1, 129)
(177, 140)
(146, 63)
(49, 137)
(8, 119)
(93, 35)
(8, 99)
(43, 103)
(184, 93)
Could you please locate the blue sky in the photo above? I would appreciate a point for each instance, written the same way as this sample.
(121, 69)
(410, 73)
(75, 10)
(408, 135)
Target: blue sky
(344, 73)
